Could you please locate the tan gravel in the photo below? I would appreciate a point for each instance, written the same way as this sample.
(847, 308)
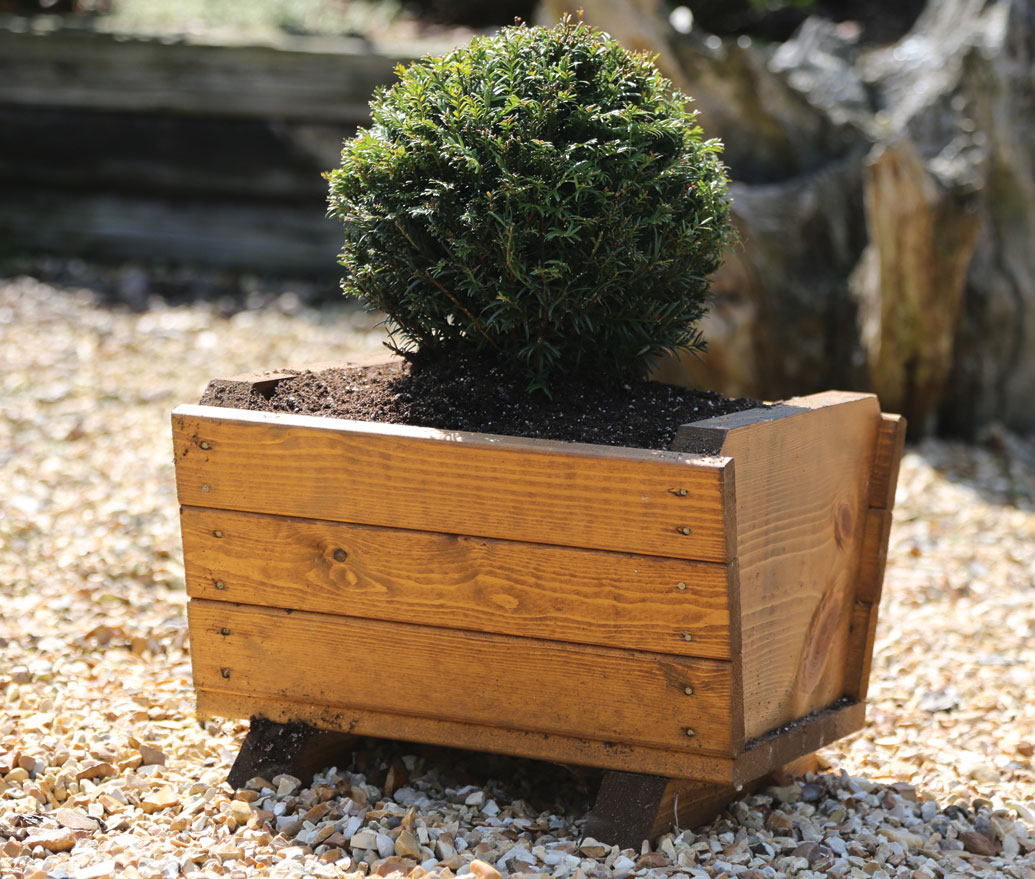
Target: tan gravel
(106, 770)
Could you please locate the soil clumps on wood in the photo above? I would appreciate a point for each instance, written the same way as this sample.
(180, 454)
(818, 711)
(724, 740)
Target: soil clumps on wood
(479, 395)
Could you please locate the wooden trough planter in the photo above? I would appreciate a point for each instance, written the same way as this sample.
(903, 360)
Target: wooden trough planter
(688, 620)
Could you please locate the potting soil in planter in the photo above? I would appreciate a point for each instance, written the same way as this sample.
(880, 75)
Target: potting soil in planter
(479, 396)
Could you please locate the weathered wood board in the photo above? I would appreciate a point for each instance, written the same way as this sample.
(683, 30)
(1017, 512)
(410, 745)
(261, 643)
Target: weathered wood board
(170, 150)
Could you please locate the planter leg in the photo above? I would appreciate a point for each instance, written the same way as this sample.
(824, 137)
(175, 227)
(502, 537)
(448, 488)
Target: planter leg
(631, 807)
(295, 749)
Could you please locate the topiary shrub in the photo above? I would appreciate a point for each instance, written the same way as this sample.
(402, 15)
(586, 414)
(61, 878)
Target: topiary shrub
(540, 195)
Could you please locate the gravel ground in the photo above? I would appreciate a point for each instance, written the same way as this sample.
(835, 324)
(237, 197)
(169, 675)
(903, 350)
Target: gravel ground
(107, 771)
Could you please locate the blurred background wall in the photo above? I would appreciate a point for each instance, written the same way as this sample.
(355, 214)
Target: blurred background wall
(881, 155)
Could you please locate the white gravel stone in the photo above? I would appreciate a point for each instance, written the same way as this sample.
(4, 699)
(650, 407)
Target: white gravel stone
(94, 668)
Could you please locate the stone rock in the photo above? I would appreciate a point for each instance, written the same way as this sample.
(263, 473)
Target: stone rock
(97, 770)
(978, 844)
(159, 799)
(151, 756)
(61, 840)
(385, 845)
(406, 845)
(241, 811)
(364, 839)
(74, 819)
(482, 870)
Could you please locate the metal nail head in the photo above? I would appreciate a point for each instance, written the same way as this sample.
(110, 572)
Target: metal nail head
(686, 532)
(340, 555)
(680, 586)
(687, 636)
(689, 732)
(678, 492)
(205, 446)
(225, 672)
(220, 584)
(217, 533)
(205, 488)
(689, 691)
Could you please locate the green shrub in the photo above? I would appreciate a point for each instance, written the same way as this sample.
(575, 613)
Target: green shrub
(540, 196)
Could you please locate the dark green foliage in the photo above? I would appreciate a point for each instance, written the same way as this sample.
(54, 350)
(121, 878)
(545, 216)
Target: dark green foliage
(539, 195)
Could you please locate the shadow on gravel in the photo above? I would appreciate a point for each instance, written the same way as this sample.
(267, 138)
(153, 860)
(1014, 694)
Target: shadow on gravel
(999, 468)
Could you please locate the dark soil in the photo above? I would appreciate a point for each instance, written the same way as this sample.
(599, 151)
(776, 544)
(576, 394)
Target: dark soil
(479, 396)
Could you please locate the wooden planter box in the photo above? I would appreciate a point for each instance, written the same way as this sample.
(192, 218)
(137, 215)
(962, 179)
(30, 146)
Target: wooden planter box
(691, 621)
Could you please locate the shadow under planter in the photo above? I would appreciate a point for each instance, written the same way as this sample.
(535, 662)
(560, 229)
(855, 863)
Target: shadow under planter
(689, 621)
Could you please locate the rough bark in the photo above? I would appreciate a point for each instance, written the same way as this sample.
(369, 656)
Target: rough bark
(886, 202)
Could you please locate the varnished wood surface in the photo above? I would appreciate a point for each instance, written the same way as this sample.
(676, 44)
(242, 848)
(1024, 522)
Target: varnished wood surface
(803, 736)
(891, 437)
(802, 486)
(891, 440)
(480, 584)
(536, 491)
(492, 739)
(607, 695)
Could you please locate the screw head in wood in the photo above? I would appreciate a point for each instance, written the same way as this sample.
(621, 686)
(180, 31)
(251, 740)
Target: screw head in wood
(225, 672)
(220, 584)
(205, 488)
(205, 445)
(217, 533)
(224, 631)
(686, 532)
(689, 732)
(340, 555)
(689, 691)
(688, 636)
(680, 586)
(678, 492)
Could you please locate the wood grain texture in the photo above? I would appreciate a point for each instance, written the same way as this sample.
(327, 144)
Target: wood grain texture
(479, 584)
(537, 491)
(891, 440)
(476, 737)
(883, 481)
(607, 695)
(803, 736)
(631, 807)
(328, 80)
(802, 483)
(863, 633)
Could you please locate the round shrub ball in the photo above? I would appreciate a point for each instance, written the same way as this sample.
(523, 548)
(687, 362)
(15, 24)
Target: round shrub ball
(541, 196)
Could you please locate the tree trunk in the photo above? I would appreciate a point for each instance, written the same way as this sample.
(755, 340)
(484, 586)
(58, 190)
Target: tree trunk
(886, 201)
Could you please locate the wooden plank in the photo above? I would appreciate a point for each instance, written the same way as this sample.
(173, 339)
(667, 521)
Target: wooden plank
(453, 734)
(873, 555)
(531, 590)
(272, 749)
(891, 440)
(294, 238)
(802, 493)
(632, 807)
(607, 695)
(883, 481)
(801, 737)
(860, 652)
(324, 80)
(210, 158)
(537, 491)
